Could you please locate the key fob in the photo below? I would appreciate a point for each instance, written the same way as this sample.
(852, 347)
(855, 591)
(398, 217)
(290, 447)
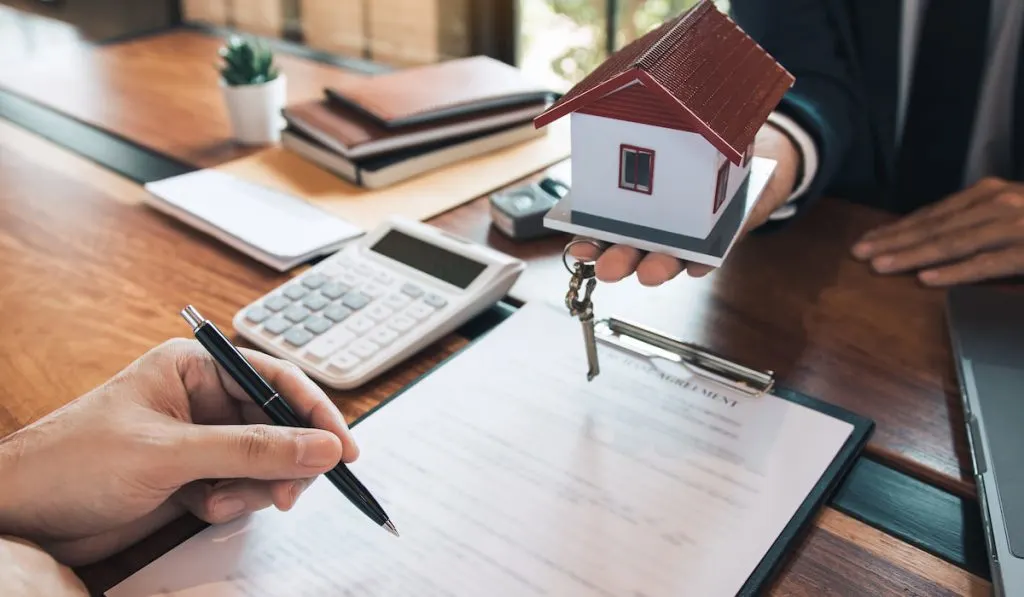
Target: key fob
(519, 212)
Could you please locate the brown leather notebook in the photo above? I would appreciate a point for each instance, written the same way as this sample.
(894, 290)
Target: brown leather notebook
(352, 135)
(451, 89)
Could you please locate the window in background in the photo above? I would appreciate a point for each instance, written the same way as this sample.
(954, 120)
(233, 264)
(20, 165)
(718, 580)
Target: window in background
(560, 41)
(392, 32)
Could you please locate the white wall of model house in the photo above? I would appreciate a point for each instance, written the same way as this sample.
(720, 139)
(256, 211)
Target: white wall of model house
(685, 172)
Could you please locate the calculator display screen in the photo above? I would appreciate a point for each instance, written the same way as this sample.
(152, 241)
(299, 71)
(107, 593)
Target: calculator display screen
(430, 259)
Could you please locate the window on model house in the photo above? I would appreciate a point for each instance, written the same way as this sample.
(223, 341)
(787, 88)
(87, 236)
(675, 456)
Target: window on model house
(636, 168)
(721, 185)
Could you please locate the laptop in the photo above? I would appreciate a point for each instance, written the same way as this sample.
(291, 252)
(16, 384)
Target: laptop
(987, 330)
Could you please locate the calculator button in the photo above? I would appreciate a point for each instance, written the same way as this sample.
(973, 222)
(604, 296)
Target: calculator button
(296, 313)
(412, 290)
(325, 346)
(315, 301)
(435, 301)
(277, 325)
(314, 280)
(396, 301)
(257, 314)
(360, 325)
(337, 313)
(334, 290)
(276, 303)
(378, 312)
(363, 348)
(373, 290)
(364, 269)
(383, 277)
(295, 292)
(355, 300)
(297, 336)
(419, 311)
(383, 336)
(344, 361)
(318, 325)
(402, 323)
(348, 278)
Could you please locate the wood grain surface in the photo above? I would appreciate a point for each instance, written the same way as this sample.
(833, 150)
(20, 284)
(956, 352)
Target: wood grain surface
(793, 301)
(161, 92)
(92, 279)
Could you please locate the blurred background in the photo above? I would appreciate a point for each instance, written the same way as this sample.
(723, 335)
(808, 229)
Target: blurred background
(558, 41)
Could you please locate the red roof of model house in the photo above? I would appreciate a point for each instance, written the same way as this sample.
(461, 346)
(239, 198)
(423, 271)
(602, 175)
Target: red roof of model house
(703, 70)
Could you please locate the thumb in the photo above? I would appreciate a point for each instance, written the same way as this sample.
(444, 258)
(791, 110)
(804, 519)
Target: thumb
(262, 452)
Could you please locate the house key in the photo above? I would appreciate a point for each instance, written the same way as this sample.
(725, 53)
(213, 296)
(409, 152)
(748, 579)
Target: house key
(583, 308)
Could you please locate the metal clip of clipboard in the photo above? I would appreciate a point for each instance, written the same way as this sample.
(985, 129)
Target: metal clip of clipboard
(649, 344)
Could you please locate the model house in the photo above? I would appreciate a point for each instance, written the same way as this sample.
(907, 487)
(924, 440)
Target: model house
(662, 131)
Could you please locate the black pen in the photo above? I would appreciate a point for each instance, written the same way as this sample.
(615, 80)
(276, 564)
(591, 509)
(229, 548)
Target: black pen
(277, 409)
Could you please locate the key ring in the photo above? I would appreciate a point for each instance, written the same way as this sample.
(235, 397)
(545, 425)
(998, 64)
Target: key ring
(565, 252)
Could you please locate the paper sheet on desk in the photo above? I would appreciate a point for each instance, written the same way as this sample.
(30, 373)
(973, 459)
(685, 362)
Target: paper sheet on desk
(418, 198)
(508, 474)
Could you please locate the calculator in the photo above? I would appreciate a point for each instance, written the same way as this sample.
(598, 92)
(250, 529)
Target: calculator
(377, 301)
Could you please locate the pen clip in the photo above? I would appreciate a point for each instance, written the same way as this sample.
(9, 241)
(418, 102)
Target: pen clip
(643, 341)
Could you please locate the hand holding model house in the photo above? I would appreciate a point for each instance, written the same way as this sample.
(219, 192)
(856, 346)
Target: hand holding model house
(672, 158)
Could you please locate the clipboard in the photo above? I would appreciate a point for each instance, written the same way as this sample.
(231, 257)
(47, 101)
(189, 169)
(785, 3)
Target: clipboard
(716, 368)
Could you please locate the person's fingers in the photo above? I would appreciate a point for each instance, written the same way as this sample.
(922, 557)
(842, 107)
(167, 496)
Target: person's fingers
(950, 246)
(309, 402)
(617, 262)
(657, 268)
(698, 270)
(225, 501)
(954, 203)
(1002, 206)
(586, 251)
(892, 241)
(248, 452)
(253, 415)
(985, 266)
(306, 398)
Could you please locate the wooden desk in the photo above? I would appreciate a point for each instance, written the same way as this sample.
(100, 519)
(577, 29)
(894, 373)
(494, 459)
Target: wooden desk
(79, 253)
(793, 302)
(77, 247)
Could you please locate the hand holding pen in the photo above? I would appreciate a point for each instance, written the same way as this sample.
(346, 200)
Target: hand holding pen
(171, 433)
(279, 410)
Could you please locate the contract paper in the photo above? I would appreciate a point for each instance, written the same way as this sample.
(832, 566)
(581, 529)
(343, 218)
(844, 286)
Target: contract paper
(509, 475)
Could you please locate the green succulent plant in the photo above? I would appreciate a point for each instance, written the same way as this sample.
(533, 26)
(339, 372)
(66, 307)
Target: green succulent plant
(246, 62)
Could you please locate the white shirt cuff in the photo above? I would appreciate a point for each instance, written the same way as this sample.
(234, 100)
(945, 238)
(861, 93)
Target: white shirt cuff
(805, 145)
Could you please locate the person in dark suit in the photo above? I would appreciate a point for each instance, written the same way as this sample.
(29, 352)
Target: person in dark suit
(914, 106)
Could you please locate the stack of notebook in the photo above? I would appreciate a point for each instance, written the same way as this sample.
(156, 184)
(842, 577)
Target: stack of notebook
(384, 129)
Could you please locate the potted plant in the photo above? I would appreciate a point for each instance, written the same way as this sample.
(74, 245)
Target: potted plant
(254, 91)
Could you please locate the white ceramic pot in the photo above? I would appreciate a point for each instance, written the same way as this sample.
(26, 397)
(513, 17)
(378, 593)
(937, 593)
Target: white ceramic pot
(255, 110)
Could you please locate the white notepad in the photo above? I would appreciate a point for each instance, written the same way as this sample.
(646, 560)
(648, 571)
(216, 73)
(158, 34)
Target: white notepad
(509, 475)
(279, 230)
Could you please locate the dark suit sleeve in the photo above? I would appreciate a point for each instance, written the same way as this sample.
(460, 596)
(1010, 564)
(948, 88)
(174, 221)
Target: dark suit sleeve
(810, 39)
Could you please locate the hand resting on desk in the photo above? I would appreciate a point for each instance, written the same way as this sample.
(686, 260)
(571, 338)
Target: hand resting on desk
(172, 433)
(971, 236)
(652, 269)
